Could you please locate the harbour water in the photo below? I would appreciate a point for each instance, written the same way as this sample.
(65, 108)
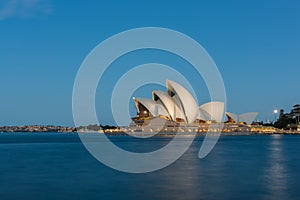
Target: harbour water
(57, 166)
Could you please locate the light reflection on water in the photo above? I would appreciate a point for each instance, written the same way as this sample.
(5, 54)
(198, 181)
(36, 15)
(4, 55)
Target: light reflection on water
(277, 171)
(52, 166)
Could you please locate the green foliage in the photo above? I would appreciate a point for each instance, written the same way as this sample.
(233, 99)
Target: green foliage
(288, 120)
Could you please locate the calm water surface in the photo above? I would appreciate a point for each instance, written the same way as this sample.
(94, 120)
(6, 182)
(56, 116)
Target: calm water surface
(57, 166)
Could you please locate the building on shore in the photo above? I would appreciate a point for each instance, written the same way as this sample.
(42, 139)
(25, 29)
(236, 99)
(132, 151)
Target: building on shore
(177, 111)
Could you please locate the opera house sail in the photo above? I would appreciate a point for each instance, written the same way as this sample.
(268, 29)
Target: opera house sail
(246, 118)
(177, 105)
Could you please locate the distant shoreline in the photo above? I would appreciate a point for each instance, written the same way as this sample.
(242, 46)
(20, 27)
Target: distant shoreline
(37, 128)
(171, 134)
(123, 131)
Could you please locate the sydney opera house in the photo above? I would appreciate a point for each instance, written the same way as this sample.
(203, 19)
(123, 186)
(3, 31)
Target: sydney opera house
(177, 107)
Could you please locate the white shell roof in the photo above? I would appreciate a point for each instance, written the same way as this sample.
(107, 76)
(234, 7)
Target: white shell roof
(185, 100)
(203, 115)
(248, 118)
(233, 116)
(179, 103)
(212, 111)
(169, 104)
(153, 107)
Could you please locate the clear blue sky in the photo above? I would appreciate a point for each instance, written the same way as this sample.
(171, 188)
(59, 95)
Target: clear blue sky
(256, 45)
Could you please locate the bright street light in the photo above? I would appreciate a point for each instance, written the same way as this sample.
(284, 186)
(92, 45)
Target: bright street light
(275, 113)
